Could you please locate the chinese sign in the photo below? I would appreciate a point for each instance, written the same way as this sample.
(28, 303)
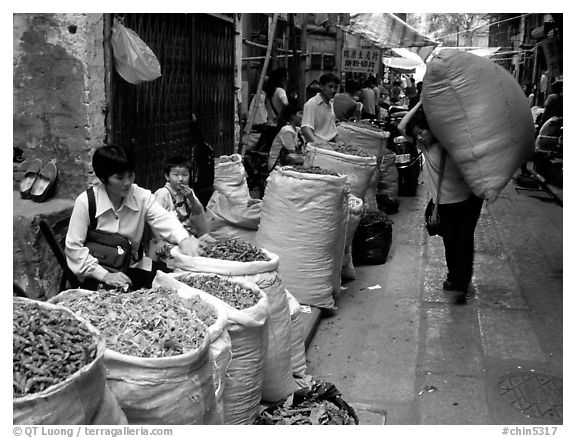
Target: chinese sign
(361, 60)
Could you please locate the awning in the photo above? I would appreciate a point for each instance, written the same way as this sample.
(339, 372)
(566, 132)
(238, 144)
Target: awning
(406, 60)
(479, 51)
(386, 30)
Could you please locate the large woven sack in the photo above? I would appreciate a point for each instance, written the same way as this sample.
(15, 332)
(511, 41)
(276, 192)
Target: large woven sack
(278, 382)
(82, 398)
(231, 217)
(479, 113)
(163, 390)
(230, 177)
(304, 218)
(373, 141)
(370, 139)
(220, 342)
(231, 211)
(248, 329)
(298, 347)
(359, 170)
(388, 182)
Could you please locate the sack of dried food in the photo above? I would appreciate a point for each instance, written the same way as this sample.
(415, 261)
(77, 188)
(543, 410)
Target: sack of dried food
(58, 368)
(243, 260)
(345, 159)
(479, 113)
(231, 211)
(157, 352)
(298, 347)
(247, 310)
(304, 217)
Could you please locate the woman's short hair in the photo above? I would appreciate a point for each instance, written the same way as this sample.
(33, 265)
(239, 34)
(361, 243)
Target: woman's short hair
(112, 159)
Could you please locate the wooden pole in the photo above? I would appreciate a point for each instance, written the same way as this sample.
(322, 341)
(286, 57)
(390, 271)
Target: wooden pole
(295, 61)
(108, 68)
(252, 113)
(303, 39)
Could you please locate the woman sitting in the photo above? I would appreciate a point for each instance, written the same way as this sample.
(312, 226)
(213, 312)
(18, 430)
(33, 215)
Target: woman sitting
(287, 148)
(124, 208)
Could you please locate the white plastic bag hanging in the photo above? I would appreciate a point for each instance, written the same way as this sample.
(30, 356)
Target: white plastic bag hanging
(133, 59)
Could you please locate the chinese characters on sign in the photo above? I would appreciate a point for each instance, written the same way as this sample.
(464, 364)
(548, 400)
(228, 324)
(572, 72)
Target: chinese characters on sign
(361, 60)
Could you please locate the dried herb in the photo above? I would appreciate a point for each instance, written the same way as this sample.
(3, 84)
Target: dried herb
(348, 149)
(311, 412)
(228, 291)
(48, 346)
(146, 322)
(314, 170)
(236, 250)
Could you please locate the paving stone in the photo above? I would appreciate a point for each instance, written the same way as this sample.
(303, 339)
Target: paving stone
(368, 415)
(453, 400)
(452, 343)
(495, 282)
(434, 276)
(509, 334)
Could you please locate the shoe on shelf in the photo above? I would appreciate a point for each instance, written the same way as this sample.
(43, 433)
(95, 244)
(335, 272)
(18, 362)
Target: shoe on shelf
(30, 175)
(44, 182)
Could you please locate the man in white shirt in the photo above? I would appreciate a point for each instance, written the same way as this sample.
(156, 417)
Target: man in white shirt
(318, 120)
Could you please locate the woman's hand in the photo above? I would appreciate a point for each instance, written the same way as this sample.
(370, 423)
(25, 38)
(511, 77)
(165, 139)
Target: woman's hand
(117, 279)
(191, 246)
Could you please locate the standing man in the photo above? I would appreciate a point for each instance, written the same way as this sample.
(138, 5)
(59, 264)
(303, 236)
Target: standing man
(318, 120)
(346, 104)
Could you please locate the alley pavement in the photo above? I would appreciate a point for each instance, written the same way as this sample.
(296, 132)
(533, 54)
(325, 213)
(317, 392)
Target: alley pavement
(404, 354)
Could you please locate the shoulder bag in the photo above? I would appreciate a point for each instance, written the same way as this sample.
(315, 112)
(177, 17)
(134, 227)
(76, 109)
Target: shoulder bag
(112, 250)
(431, 214)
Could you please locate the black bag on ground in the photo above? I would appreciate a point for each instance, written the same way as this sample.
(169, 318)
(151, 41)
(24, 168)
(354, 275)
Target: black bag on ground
(372, 239)
(112, 250)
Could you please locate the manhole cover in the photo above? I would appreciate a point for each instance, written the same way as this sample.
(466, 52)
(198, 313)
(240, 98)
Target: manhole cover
(535, 395)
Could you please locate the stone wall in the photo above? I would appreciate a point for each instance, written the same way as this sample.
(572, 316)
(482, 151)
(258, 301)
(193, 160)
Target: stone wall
(59, 97)
(58, 115)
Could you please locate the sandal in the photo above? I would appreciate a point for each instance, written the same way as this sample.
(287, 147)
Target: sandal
(29, 177)
(42, 186)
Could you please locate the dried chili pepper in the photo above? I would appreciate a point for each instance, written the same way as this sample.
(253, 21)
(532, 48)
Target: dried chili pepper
(40, 359)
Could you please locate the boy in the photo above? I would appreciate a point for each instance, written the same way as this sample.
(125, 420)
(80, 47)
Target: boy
(178, 197)
(318, 120)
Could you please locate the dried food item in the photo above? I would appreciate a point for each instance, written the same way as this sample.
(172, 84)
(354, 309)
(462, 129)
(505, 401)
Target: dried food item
(315, 170)
(235, 250)
(319, 404)
(228, 291)
(146, 322)
(348, 149)
(367, 125)
(48, 346)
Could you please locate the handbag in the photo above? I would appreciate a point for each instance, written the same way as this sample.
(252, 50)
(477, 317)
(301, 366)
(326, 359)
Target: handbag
(112, 250)
(431, 213)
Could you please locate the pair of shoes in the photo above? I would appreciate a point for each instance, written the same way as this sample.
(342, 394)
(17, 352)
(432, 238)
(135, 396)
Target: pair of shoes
(39, 181)
(458, 297)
